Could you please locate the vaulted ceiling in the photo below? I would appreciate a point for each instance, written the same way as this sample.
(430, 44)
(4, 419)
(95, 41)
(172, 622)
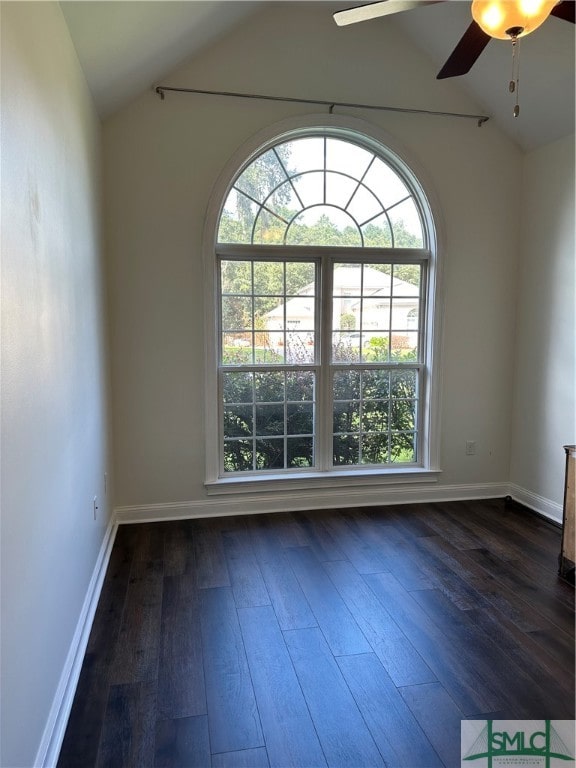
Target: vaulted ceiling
(127, 47)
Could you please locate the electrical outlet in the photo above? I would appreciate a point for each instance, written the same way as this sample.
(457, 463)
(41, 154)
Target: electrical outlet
(95, 506)
(470, 447)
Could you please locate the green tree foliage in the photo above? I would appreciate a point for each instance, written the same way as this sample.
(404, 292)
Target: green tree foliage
(347, 322)
(264, 175)
(260, 408)
(322, 233)
(374, 417)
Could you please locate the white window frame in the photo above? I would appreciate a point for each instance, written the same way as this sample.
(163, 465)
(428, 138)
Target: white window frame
(429, 468)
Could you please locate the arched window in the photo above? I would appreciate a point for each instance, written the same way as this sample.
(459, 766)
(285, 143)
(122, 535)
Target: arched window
(321, 190)
(323, 262)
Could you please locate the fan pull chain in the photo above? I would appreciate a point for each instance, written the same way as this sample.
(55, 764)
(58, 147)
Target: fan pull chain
(514, 85)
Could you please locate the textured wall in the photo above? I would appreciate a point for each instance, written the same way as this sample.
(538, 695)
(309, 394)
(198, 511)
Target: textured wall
(545, 372)
(54, 433)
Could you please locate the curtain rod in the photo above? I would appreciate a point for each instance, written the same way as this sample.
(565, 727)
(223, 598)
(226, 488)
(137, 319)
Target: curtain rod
(161, 90)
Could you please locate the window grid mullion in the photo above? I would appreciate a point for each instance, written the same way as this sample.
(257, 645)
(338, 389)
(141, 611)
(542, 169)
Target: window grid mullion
(253, 423)
(390, 314)
(422, 371)
(324, 404)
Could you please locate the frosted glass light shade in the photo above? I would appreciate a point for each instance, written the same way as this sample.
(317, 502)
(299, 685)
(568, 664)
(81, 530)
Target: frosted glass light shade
(495, 17)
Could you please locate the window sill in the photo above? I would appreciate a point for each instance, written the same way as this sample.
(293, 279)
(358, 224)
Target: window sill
(311, 480)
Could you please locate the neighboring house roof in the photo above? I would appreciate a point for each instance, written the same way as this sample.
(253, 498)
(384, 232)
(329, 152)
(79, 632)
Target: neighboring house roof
(376, 283)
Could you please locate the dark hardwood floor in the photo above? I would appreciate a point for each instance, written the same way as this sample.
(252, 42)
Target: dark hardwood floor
(347, 638)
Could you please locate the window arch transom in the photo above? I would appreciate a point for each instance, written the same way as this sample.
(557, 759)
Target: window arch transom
(321, 191)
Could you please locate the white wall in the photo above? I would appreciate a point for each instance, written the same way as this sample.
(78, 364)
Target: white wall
(162, 160)
(545, 372)
(54, 436)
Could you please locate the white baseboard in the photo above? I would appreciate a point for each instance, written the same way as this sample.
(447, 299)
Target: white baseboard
(47, 755)
(299, 500)
(545, 507)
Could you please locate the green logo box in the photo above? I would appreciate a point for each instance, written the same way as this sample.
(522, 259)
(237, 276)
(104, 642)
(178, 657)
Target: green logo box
(517, 743)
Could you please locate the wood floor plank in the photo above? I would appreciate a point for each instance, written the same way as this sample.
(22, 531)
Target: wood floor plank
(497, 671)
(183, 742)
(540, 601)
(181, 690)
(288, 599)
(386, 713)
(287, 530)
(178, 554)
(395, 651)
(82, 736)
(510, 536)
(137, 649)
(128, 731)
(559, 645)
(343, 734)
(439, 718)
(399, 557)
(247, 758)
(245, 576)
(514, 539)
(333, 617)
(317, 536)
(211, 566)
(445, 656)
(447, 579)
(476, 649)
(545, 672)
(514, 526)
(290, 605)
(346, 528)
(403, 516)
(80, 743)
(233, 718)
(450, 528)
(148, 541)
(416, 566)
(487, 585)
(289, 733)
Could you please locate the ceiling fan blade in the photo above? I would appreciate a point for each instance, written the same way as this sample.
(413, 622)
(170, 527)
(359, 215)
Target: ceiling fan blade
(462, 58)
(374, 10)
(564, 11)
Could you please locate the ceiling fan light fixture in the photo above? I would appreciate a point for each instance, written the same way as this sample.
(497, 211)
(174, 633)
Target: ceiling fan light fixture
(498, 17)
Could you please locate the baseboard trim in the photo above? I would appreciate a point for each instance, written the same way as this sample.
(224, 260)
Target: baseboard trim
(49, 750)
(545, 507)
(300, 500)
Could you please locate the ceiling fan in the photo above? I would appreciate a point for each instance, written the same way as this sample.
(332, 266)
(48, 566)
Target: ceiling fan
(503, 19)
